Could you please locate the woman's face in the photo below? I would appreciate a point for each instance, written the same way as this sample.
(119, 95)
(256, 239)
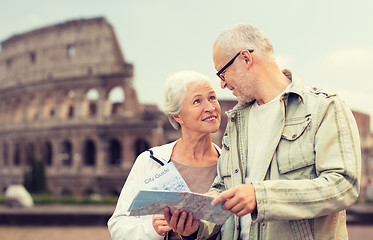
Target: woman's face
(200, 111)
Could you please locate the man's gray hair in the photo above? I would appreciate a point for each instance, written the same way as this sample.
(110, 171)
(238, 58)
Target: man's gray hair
(175, 90)
(244, 36)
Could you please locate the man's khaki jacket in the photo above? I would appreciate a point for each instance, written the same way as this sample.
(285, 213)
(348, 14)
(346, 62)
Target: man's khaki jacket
(312, 168)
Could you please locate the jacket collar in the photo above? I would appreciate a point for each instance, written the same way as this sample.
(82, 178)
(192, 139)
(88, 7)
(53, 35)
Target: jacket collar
(296, 88)
(164, 152)
(297, 85)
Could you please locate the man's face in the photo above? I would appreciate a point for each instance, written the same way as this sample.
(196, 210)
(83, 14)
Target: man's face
(236, 76)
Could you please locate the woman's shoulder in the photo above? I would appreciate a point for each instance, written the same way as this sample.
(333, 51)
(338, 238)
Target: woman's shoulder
(158, 153)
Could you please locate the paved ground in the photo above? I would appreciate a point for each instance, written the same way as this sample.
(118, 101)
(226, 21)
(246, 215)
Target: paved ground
(356, 232)
(360, 227)
(54, 233)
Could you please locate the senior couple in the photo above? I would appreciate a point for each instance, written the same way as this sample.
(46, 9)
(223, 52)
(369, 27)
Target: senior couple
(290, 159)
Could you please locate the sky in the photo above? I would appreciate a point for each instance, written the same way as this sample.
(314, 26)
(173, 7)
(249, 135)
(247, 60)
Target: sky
(327, 43)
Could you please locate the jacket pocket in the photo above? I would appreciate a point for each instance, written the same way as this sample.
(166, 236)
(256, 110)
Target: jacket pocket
(302, 229)
(295, 150)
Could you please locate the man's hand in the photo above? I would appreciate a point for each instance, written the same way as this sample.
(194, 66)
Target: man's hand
(160, 225)
(239, 199)
(212, 194)
(182, 223)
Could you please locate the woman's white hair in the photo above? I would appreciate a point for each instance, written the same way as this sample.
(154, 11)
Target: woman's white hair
(244, 36)
(176, 87)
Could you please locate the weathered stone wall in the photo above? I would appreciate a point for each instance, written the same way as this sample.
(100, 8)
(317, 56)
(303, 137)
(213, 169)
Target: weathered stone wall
(58, 86)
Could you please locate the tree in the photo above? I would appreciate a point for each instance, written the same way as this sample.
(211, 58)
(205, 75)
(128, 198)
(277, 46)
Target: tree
(35, 180)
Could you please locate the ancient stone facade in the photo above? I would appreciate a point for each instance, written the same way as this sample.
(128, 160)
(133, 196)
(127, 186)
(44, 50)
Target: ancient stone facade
(67, 98)
(366, 142)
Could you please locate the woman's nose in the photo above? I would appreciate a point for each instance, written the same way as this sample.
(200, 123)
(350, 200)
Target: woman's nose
(210, 107)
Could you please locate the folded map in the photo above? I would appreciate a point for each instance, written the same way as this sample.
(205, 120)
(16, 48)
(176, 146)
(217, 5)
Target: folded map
(149, 202)
(167, 178)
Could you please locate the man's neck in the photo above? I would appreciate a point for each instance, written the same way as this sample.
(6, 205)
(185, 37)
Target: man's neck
(273, 83)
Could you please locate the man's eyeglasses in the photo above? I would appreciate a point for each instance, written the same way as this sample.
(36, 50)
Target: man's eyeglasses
(228, 64)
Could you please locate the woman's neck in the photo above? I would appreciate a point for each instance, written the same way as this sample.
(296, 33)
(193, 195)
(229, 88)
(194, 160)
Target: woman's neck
(195, 151)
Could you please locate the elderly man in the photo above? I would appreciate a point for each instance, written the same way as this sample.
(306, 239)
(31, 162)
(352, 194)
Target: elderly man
(290, 162)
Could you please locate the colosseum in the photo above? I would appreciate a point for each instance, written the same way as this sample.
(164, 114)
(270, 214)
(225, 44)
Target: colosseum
(67, 98)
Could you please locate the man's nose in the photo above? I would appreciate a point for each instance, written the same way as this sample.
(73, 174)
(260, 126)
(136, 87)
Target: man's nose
(223, 84)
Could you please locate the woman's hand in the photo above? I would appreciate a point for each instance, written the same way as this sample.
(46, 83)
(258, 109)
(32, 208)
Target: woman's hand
(182, 223)
(160, 224)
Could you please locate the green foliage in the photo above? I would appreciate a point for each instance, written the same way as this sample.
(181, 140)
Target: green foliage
(34, 179)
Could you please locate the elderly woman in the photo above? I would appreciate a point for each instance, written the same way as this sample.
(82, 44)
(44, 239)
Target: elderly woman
(192, 107)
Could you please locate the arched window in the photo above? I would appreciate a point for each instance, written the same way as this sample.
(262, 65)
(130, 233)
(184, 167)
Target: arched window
(115, 152)
(140, 146)
(49, 107)
(18, 111)
(32, 109)
(66, 153)
(17, 158)
(66, 192)
(89, 153)
(30, 153)
(47, 153)
(70, 50)
(68, 104)
(114, 192)
(33, 57)
(5, 154)
(89, 192)
(92, 97)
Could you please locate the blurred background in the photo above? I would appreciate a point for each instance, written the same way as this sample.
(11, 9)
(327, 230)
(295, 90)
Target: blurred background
(81, 93)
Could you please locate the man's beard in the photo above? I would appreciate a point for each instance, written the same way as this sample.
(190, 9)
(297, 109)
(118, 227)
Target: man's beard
(244, 92)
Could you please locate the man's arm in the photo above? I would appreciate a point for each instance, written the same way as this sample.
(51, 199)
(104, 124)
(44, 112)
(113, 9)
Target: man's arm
(337, 166)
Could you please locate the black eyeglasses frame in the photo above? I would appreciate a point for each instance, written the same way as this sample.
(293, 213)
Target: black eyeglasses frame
(230, 63)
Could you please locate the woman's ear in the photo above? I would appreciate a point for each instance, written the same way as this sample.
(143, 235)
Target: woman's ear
(177, 118)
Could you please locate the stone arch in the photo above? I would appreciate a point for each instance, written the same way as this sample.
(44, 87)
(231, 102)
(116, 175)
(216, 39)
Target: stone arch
(32, 109)
(68, 105)
(116, 98)
(2, 113)
(7, 113)
(49, 107)
(114, 192)
(30, 153)
(47, 153)
(115, 152)
(66, 192)
(89, 154)
(140, 146)
(88, 191)
(66, 153)
(90, 103)
(18, 111)
(17, 156)
(5, 154)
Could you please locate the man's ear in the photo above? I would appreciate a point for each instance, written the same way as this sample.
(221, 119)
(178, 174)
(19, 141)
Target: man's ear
(248, 57)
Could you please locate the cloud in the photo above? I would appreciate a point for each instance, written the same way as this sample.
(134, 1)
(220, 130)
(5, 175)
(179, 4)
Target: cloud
(356, 56)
